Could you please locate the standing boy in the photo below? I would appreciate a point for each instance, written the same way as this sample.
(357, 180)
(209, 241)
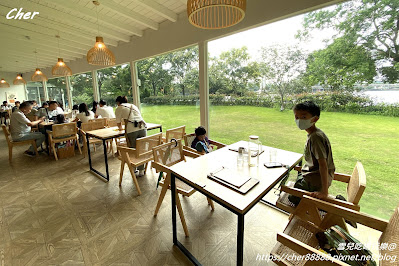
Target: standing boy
(318, 169)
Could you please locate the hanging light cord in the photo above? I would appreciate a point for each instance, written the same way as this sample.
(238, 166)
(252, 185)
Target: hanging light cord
(98, 25)
(58, 38)
(37, 65)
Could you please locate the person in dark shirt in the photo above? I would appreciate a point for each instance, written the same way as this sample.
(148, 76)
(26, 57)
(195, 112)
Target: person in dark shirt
(201, 142)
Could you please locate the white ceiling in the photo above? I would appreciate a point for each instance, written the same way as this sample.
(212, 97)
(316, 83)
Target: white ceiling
(75, 21)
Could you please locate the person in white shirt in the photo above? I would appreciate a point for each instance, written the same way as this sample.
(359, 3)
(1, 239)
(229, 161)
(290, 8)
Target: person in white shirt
(135, 126)
(20, 127)
(84, 114)
(52, 111)
(105, 111)
(4, 112)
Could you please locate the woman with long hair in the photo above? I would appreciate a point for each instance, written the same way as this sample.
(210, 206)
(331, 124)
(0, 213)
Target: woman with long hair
(84, 114)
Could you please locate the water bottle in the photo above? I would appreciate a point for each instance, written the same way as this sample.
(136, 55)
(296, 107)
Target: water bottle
(254, 149)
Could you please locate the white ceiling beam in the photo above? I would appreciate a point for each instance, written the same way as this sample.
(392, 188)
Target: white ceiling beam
(130, 14)
(73, 21)
(33, 43)
(53, 51)
(84, 11)
(159, 9)
(41, 37)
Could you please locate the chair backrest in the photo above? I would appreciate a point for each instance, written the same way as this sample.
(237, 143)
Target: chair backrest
(6, 133)
(144, 145)
(188, 139)
(390, 236)
(85, 126)
(356, 184)
(103, 121)
(111, 122)
(175, 133)
(65, 129)
(169, 153)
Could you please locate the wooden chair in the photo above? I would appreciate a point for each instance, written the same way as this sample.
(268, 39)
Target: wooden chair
(104, 121)
(111, 122)
(175, 133)
(141, 155)
(165, 156)
(299, 235)
(354, 190)
(84, 127)
(188, 140)
(12, 143)
(63, 132)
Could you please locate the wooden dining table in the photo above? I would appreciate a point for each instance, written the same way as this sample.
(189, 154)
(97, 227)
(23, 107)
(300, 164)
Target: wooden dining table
(105, 134)
(195, 173)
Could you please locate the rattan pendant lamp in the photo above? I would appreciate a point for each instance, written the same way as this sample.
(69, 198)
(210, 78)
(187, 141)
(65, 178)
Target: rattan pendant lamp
(215, 14)
(4, 84)
(60, 69)
(100, 55)
(38, 75)
(18, 80)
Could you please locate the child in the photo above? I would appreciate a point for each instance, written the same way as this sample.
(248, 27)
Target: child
(60, 119)
(318, 169)
(201, 142)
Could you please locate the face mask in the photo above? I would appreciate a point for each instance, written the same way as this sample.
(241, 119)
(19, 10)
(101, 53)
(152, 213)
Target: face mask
(304, 124)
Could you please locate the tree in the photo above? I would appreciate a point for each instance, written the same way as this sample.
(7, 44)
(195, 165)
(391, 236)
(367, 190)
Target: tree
(372, 24)
(233, 72)
(283, 65)
(340, 66)
(153, 75)
(183, 62)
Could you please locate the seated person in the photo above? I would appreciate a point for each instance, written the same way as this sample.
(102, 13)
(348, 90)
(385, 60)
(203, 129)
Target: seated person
(318, 170)
(201, 142)
(51, 111)
(60, 119)
(17, 104)
(75, 110)
(35, 106)
(21, 127)
(105, 111)
(84, 114)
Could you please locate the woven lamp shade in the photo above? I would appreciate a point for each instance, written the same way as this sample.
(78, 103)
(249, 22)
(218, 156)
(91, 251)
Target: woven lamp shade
(19, 80)
(100, 55)
(61, 69)
(38, 76)
(4, 84)
(215, 14)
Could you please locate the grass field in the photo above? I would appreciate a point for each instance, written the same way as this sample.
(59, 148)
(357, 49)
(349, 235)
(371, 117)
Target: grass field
(372, 140)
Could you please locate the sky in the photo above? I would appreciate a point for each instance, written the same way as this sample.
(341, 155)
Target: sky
(280, 32)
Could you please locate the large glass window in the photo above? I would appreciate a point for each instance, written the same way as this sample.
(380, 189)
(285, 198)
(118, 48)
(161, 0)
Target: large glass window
(56, 89)
(169, 90)
(257, 76)
(113, 82)
(82, 88)
(35, 91)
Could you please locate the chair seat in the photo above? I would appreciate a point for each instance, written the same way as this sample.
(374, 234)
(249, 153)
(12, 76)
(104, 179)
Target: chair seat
(141, 160)
(22, 142)
(182, 187)
(302, 231)
(283, 202)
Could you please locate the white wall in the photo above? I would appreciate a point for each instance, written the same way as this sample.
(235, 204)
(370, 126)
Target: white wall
(19, 90)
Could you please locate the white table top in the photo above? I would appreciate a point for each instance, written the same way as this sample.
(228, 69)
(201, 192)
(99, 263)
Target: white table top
(195, 172)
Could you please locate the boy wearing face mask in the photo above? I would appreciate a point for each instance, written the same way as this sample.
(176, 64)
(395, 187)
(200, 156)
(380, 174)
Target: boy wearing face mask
(318, 169)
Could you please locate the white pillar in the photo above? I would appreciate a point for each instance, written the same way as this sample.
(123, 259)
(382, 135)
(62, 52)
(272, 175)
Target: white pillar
(69, 94)
(39, 96)
(45, 90)
(135, 87)
(204, 85)
(96, 92)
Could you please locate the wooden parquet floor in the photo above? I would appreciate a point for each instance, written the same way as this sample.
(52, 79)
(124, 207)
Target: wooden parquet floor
(58, 213)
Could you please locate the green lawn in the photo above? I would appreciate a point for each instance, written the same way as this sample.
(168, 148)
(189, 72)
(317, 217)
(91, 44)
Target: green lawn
(373, 140)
